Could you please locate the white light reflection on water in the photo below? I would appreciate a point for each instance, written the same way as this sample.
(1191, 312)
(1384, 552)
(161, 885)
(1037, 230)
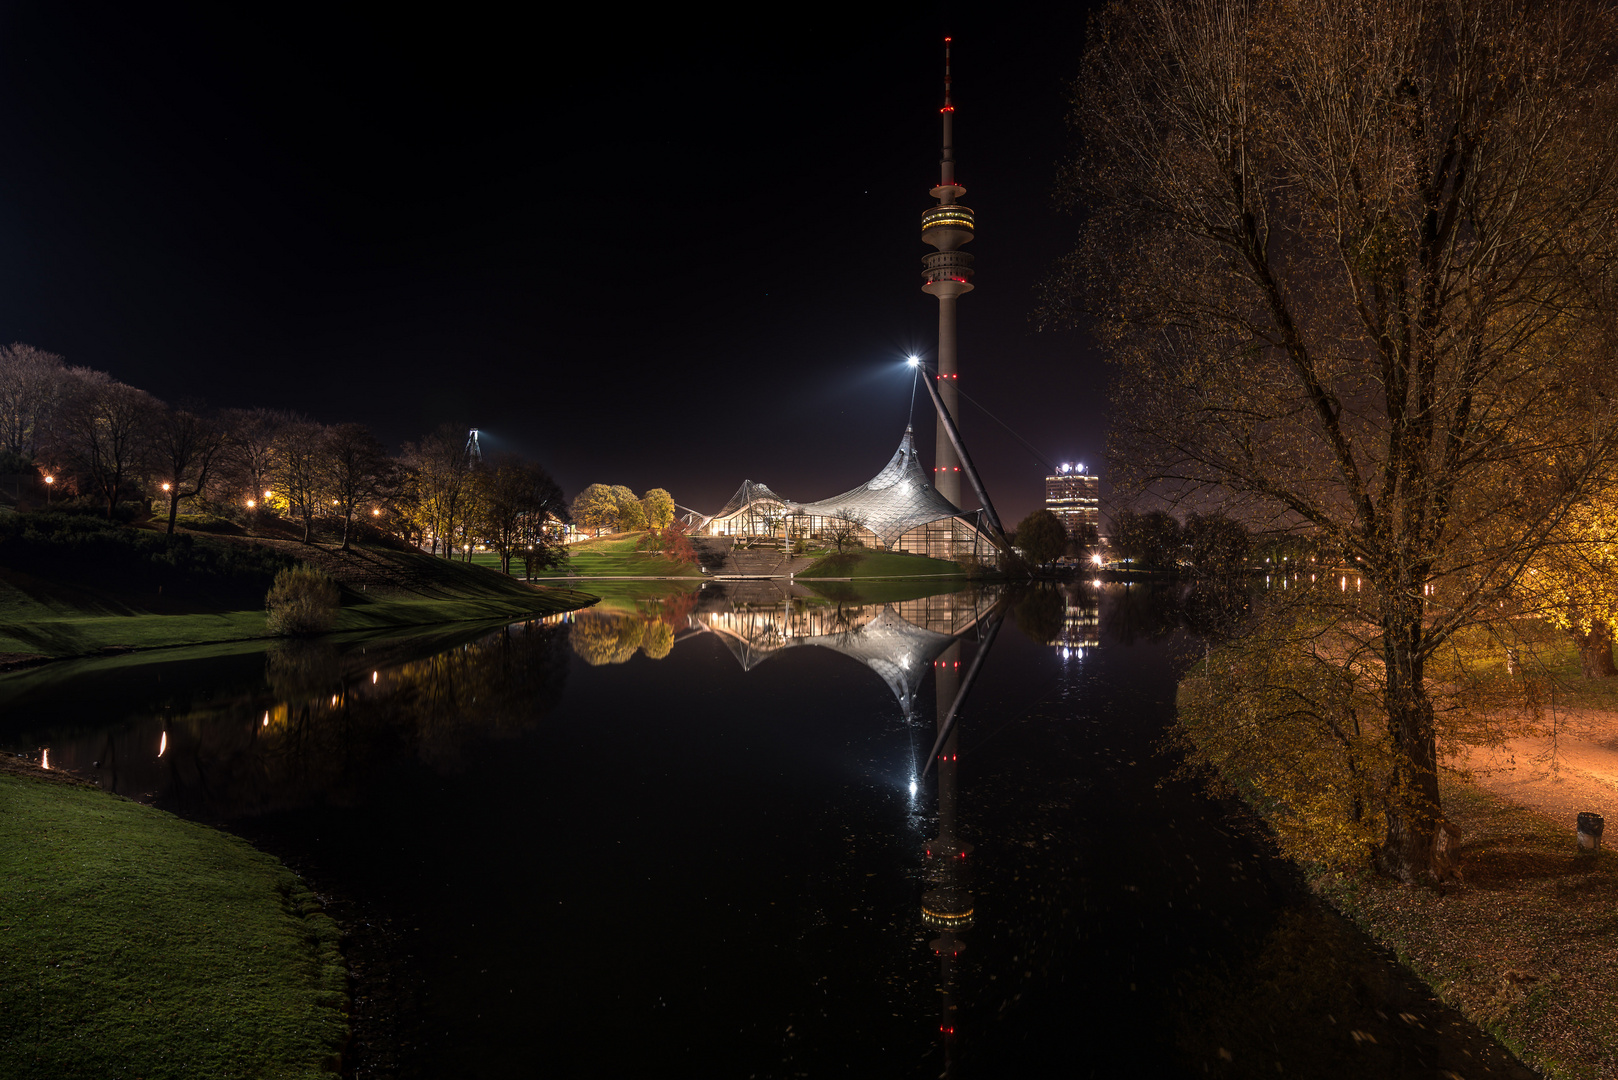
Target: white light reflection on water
(162, 744)
(45, 763)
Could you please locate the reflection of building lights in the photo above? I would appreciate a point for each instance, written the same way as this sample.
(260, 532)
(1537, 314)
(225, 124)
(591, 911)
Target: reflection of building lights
(163, 744)
(334, 699)
(373, 678)
(266, 720)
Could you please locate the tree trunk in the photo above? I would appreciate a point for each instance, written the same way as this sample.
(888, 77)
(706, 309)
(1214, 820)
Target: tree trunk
(307, 526)
(1595, 651)
(174, 512)
(348, 517)
(505, 563)
(1420, 846)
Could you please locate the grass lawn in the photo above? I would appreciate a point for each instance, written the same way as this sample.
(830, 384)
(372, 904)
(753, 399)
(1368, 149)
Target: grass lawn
(1543, 650)
(610, 556)
(1525, 945)
(134, 944)
(879, 564)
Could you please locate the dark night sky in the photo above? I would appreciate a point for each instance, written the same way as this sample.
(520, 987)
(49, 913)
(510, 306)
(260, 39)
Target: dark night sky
(661, 253)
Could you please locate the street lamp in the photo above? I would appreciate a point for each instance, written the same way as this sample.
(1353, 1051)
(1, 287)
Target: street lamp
(50, 483)
(251, 504)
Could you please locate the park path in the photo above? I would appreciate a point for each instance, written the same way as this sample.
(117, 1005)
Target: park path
(1559, 775)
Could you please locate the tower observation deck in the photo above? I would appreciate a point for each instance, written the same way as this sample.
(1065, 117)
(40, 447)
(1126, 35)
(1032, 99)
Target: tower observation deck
(947, 274)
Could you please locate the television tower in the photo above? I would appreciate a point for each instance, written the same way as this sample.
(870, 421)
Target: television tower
(948, 275)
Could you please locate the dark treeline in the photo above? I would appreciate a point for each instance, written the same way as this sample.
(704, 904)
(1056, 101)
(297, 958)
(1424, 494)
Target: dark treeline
(78, 439)
(1207, 545)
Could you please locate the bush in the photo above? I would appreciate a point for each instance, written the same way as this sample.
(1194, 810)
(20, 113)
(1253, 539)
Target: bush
(302, 601)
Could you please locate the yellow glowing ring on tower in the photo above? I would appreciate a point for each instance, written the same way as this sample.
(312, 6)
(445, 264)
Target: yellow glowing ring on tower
(952, 217)
(948, 919)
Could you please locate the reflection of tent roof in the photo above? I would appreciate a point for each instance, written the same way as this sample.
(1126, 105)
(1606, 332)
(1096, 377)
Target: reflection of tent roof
(892, 502)
(897, 650)
(748, 493)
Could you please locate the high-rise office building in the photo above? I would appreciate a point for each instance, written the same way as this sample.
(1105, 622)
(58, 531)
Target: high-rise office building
(1074, 496)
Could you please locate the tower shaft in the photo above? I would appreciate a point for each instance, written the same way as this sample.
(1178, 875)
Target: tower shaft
(947, 274)
(947, 471)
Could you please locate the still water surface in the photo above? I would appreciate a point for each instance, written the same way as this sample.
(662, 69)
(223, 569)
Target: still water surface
(701, 838)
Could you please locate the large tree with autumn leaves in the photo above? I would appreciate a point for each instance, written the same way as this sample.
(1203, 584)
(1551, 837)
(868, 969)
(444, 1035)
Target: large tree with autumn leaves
(1356, 263)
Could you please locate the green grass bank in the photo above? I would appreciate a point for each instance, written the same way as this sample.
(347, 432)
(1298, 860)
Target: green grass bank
(71, 588)
(609, 556)
(135, 944)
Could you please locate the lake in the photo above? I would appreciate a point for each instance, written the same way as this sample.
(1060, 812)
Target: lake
(700, 836)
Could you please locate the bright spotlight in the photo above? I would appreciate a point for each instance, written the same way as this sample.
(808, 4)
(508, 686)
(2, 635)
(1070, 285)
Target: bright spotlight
(913, 361)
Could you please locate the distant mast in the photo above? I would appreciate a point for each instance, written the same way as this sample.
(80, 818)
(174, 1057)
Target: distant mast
(948, 275)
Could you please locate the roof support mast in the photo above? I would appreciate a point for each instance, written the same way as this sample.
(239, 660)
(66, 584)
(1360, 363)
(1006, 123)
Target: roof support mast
(947, 423)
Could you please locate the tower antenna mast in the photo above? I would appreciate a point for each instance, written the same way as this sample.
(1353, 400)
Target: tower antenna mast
(947, 274)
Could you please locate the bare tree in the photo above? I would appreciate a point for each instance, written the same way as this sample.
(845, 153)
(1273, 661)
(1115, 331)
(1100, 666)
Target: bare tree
(1355, 260)
(33, 384)
(186, 443)
(844, 527)
(356, 470)
(103, 433)
(439, 478)
(249, 463)
(516, 500)
(299, 475)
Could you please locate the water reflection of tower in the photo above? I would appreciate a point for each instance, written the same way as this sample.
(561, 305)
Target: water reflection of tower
(948, 905)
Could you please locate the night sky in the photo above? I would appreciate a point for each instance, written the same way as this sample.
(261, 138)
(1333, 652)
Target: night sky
(668, 250)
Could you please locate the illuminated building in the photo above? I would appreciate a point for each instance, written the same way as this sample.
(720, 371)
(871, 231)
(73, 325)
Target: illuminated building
(897, 509)
(1074, 496)
(947, 274)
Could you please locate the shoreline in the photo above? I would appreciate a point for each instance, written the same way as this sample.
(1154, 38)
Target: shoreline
(176, 947)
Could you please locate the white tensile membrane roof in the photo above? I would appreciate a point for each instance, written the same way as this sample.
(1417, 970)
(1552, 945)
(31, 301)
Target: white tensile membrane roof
(748, 494)
(891, 503)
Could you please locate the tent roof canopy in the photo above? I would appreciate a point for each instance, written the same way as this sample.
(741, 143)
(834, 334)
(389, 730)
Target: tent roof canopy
(891, 503)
